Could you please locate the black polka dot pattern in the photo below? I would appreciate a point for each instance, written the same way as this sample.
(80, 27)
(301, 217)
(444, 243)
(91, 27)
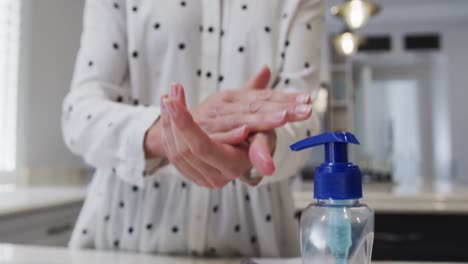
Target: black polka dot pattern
(90, 63)
(208, 75)
(215, 209)
(267, 29)
(237, 228)
(135, 188)
(135, 54)
(137, 102)
(211, 29)
(130, 230)
(116, 243)
(199, 72)
(149, 226)
(134, 8)
(286, 81)
(286, 44)
(297, 215)
(220, 78)
(116, 6)
(175, 229)
(183, 184)
(244, 7)
(241, 49)
(181, 46)
(306, 65)
(156, 185)
(84, 231)
(113, 170)
(283, 55)
(221, 33)
(253, 239)
(121, 204)
(268, 218)
(308, 26)
(119, 99)
(183, 3)
(201, 28)
(115, 45)
(106, 218)
(247, 198)
(89, 117)
(157, 26)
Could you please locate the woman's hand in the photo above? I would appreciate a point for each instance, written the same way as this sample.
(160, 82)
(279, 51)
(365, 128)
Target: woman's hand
(193, 152)
(228, 116)
(258, 108)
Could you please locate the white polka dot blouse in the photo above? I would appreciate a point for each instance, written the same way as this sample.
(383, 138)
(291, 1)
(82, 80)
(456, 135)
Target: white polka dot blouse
(131, 51)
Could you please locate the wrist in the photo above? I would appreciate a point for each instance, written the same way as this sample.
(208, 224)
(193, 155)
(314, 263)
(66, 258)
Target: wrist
(153, 145)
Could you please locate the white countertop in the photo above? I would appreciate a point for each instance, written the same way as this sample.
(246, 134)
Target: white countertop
(15, 254)
(428, 198)
(424, 198)
(17, 200)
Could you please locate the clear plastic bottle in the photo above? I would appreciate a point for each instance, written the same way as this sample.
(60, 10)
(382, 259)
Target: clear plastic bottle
(326, 221)
(337, 228)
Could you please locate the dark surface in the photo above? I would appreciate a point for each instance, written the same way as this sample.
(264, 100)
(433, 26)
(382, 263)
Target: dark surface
(421, 237)
(422, 42)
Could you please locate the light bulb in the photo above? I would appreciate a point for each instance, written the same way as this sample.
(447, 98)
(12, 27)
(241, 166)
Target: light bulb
(346, 43)
(355, 13)
(358, 14)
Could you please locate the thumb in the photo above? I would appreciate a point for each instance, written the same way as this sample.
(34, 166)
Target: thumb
(260, 155)
(260, 80)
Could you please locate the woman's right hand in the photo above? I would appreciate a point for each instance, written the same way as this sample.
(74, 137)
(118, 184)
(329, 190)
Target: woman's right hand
(258, 109)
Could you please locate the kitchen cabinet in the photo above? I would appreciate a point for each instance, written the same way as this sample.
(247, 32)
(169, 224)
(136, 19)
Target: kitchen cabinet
(421, 237)
(49, 226)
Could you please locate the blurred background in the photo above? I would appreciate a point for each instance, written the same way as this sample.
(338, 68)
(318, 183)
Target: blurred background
(395, 74)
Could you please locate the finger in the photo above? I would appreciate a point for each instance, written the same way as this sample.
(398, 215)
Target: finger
(260, 154)
(232, 137)
(265, 95)
(170, 147)
(200, 144)
(259, 80)
(254, 122)
(210, 175)
(180, 94)
(295, 110)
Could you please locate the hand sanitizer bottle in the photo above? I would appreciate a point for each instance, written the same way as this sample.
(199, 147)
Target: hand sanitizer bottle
(337, 228)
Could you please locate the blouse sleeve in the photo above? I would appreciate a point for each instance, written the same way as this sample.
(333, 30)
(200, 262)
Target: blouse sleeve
(100, 120)
(300, 73)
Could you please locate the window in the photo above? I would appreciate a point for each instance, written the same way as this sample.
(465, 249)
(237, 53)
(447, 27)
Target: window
(9, 58)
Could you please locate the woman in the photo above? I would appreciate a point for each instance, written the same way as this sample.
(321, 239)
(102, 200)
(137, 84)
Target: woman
(165, 155)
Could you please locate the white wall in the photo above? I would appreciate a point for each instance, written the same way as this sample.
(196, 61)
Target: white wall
(51, 30)
(457, 54)
(450, 101)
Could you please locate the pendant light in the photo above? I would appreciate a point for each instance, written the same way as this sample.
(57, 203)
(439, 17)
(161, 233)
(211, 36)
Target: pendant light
(355, 13)
(347, 43)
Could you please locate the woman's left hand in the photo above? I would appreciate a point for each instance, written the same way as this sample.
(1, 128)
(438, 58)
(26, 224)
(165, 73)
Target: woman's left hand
(198, 157)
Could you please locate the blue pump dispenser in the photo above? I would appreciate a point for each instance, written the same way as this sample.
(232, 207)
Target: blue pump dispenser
(337, 216)
(336, 178)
